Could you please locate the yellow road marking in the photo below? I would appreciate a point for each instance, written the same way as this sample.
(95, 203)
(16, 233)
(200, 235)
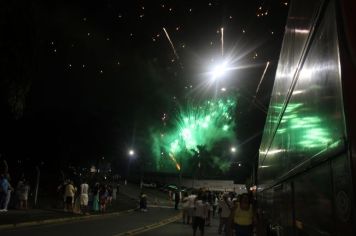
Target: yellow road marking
(150, 227)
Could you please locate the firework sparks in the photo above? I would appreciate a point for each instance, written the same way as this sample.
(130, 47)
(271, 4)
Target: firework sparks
(222, 41)
(205, 124)
(255, 101)
(171, 43)
(262, 77)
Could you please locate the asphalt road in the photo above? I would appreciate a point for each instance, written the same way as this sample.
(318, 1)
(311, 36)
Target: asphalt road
(106, 225)
(177, 228)
(160, 220)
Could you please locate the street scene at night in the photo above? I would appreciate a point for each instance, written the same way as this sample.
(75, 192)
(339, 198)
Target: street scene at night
(178, 117)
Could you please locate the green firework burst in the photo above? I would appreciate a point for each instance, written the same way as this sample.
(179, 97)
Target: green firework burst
(203, 124)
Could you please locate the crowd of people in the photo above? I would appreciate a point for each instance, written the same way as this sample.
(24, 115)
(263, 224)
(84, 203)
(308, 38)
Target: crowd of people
(236, 212)
(18, 195)
(86, 198)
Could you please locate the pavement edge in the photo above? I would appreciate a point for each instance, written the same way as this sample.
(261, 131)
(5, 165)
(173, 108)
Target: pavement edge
(61, 220)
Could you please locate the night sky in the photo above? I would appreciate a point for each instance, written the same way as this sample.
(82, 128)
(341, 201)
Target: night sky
(86, 79)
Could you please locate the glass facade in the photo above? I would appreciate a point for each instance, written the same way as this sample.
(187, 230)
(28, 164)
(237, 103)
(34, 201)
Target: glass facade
(305, 119)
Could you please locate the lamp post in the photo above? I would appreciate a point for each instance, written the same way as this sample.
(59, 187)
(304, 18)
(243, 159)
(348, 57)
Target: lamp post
(134, 155)
(130, 154)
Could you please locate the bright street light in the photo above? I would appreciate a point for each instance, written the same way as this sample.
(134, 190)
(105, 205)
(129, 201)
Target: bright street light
(219, 70)
(131, 152)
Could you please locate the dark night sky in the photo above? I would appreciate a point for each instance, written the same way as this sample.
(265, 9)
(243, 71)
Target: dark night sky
(93, 75)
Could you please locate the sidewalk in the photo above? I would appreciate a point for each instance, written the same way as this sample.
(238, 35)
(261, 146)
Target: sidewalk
(17, 218)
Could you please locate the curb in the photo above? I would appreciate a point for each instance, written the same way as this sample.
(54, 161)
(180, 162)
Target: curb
(61, 220)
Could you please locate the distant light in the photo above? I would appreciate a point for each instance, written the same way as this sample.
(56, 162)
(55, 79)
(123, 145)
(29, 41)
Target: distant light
(301, 31)
(240, 164)
(223, 89)
(131, 152)
(233, 149)
(297, 92)
(219, 70)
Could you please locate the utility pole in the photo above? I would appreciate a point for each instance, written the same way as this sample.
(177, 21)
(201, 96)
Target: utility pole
(180, 173)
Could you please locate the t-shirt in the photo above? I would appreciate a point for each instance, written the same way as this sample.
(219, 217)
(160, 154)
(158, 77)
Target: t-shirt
(4, 185)
(191, 199)
(185, 202)
(201, 209)
(84, 188)
(225, 206)
(243, 217)
(70, 190)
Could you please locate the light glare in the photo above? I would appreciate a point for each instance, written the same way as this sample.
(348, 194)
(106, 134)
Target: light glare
(219, 70)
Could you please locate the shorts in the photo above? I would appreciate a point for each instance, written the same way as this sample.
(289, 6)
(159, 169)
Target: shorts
(69, 200)
(102, 200)
(84, 199)
(23, 197)
(198, 222)
(190, 212)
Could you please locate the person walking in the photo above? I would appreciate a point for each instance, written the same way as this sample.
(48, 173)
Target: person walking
(200, 214)
(9, 192)
(96, 197)
(243, 216)
(4, 188)
(103, 196)
(84, 197)
(22, 191)
(69, 195)
(191, 200)
(185, 205)
(225, 207)
(176, 199)
(215, 204)
(143, 202)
